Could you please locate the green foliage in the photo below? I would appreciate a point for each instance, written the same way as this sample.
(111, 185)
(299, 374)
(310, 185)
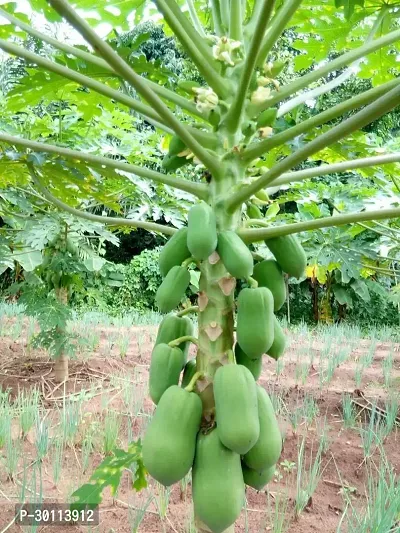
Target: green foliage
(108, 474)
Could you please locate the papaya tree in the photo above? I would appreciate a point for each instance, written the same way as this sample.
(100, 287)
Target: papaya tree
(220, 424)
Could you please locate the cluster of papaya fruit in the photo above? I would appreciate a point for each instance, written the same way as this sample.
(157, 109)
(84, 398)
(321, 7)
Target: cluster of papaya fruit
(224, 455)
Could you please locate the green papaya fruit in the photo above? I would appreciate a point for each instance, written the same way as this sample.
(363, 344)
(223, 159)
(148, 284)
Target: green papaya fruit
(279, 344)
(173, 162)
(173, 327)
(202, 231)
(170, 439)
(267, 117)
(172, 289)
(188, 372)
(262, 195)
(267, 450)
(253, 211)
(217, 483)
(188, 86)
(165, 368)
(289, 253)
(254, 365)
(269, 274)
(235, 395)
(235, 255)
(174, 252)
(176, 146)
(255, 321)
(257, 479)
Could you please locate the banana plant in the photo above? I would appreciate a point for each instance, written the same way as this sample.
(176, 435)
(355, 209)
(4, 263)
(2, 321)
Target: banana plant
(229, 125)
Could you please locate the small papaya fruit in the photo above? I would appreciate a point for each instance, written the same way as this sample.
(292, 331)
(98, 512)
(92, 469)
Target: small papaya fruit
(267, 117)
(279, 344)
(173, 162)
(188, 372)
(176, 146)
(254, 365)
(202, 236)
(173, 327)
(188, 86)
(236, 410)
(235, 255)
(267, 450)
(255, 321)
(174, 252)
(217, 483)
(253, 211)
(262, 195)
(172, 289)
(165, 368)
(289, 253)
(170, 439)
(257, 479)
(269, 274)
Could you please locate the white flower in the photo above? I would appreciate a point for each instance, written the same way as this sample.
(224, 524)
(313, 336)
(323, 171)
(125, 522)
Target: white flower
(206, 99)
(223, 48)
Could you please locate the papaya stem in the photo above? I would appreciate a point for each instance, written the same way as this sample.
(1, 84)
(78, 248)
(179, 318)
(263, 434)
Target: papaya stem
(186, 338)
(256, 222)
(193, 381)
(252, 283)
(191, 309)
(188, 261)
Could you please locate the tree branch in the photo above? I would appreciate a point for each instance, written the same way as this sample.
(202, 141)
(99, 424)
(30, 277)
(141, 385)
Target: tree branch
(236, 110)
(225, 8)
(367, 115)
(98, 61)
(343, 166)
(195, 19)
(216, 16)
(255, 150)
(236, 21)
(128, 74)
(260, 234)
(111, 221)
(335, 64)
(203, 60)
(279, 23)
(197, 189)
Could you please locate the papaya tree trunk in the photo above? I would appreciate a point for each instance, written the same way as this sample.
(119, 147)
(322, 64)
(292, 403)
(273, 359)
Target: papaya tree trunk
(216, 311)
(61, 361)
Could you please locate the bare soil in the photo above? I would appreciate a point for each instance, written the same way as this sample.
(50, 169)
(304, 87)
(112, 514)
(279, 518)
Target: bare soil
(343, 464)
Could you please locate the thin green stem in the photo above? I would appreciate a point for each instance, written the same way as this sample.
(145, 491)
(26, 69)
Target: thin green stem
(225, 7)
(216, 16)
(334, 168)
(373, 111)
(255, 14)
(98, 61)
(235, 114)
(260, 234)
(96, 86)
(188, 310)
(193, 381)
(128, 74)
(255, 150)
(197, 189)
(195, 18)
(181, 340)
(279, 23)
(204, 63)
(334, 65)
(236, 21)
(111, 221)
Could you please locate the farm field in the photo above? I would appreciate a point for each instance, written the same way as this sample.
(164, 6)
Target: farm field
(336, 393)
